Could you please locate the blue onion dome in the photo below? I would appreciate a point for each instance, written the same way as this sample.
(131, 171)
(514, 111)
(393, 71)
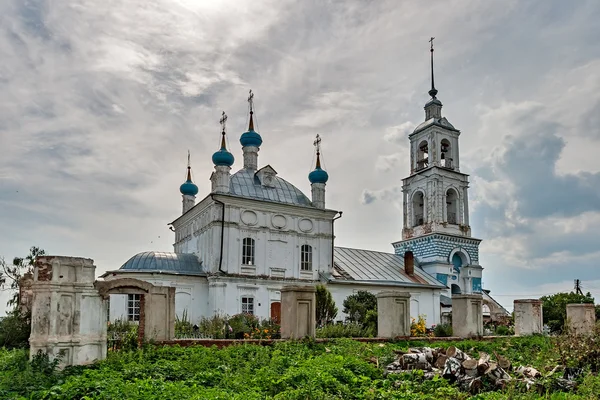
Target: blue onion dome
(318, 176)
(223, 157)
(250, 138)
(188, 188)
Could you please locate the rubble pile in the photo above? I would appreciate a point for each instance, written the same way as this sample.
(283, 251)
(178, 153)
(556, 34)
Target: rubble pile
(472, 374)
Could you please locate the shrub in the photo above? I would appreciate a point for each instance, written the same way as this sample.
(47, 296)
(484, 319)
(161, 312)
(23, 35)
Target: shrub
(418, 327)
(122, 335)
(442, 330)
(183, 327)
(215, 327)
(503, 330)
(347, 330)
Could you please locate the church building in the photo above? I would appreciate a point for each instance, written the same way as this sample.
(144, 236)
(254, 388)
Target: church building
(255, 232)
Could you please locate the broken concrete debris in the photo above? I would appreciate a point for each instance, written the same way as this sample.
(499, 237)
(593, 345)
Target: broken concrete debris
(471, 374)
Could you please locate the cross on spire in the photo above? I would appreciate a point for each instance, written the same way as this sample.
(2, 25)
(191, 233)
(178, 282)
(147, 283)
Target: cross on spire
(251, 100)
(433, 92)
(317, 144)
(223, 121)
(251, 105)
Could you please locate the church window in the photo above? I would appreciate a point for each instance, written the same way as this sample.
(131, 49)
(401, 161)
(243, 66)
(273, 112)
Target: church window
(446, 155)
(133, 307)
(457, 262)
(247, 305)
(248, 251)
(306, 258)
(418, 209)
(451, 207)
(423, 155)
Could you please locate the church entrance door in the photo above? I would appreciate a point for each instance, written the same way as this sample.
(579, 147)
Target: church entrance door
(276, 311)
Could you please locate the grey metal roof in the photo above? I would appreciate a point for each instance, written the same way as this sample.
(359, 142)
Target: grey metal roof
(375, 266)
(154, 261)
(245, 183)
(445, 301)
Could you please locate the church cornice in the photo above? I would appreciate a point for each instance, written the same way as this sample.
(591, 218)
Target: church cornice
(445, 236)
(267, 206)
(436, 171)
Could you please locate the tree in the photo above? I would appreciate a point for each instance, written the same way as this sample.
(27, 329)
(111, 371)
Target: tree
(11, 275)
(326, 309)
(555, 308)
(357, 305)
(15, 329)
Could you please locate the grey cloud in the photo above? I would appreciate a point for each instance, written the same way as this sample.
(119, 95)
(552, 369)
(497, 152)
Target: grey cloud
(530, 161)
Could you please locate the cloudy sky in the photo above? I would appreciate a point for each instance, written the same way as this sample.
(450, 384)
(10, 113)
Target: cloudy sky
(100, 101)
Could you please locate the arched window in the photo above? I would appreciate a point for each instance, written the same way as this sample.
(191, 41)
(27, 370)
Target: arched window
(305, 258)
(455, 289)
(457, 262)
(418, 209)
(446, 154)
(248, 251)
(451, 207)
(422, 155)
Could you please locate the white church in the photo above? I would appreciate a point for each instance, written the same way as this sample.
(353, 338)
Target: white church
(255, 232)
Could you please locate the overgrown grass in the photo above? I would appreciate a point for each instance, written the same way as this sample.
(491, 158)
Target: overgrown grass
(340, 369)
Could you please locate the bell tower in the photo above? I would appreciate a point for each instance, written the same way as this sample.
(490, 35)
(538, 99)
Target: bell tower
(436, 229)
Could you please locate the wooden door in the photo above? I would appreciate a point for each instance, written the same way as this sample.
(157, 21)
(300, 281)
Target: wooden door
(276, 311)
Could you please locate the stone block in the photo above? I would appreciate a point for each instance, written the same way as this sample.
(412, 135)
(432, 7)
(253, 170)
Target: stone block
(581, 318)
(298, 312)
(68, 316)
(528, 317)
(159, 315)
(467, 316)
(393, 314)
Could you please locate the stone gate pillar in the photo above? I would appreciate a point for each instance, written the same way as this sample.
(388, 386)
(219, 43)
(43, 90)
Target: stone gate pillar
(298, 312)
(68, 316)
(581, 318)
(528, 317)
(393, 314)
(467, 315)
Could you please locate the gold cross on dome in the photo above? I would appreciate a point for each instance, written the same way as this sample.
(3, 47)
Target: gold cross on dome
(223, 120)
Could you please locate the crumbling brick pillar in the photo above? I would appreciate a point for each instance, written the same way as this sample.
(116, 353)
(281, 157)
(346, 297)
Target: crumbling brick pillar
(393, 314)
(528, 317)
(581, 318)
(298, 312)
(68, 316)
(467, 316)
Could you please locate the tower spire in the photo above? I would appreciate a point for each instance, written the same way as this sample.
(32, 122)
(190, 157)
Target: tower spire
(251, 105)
(189, 169)
(433, 91)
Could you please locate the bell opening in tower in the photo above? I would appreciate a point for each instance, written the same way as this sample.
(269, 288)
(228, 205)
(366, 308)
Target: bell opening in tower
(451, 207)
(418, 215)
(423, 156)
(446, 157)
